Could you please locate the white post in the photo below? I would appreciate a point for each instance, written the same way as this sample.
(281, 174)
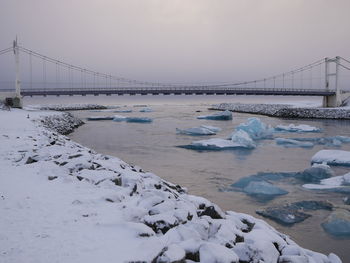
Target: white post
(18, 81)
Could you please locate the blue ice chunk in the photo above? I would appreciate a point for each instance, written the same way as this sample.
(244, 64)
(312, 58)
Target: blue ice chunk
(123, 111)
(329, 141)
(224, 115)
(196, 131)
(265, 176)
(241, 137)
(211, 128)
(215, 144)
(293, 143)
(263, 190)
(284, 215)
(146, 110)
(138, 119)
(256, 129)
(338, 223)
(315, 173)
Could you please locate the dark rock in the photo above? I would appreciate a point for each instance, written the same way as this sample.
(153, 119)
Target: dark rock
(249, 225)
(51, 177)
(31, 160)
(75, 156)
(211, 212)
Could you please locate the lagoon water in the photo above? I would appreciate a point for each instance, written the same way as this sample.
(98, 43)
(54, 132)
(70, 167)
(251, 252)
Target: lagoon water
(153, 147)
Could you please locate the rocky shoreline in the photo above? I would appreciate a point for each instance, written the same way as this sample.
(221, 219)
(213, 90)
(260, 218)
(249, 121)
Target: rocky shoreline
(286, 111)
(169, 224)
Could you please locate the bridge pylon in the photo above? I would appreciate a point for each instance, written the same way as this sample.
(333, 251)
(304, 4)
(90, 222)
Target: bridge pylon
(17, 100)
(332, 83)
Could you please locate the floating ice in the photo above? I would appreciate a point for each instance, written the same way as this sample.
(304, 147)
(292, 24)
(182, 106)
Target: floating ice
(338, 223)
(296, 128)
(293, 143)
(330, 183)
(224, 115)
(329, 141)
(284, 215)
(241, 137)
(214, 144)
(315, 173)
(123, 111)
(99, 118)
(211, 128)
(196, 131)
(332, 157)
(146, 110)
(119, 118)
(293, 213)
(138, 119)
(263, 190)
(256, 129)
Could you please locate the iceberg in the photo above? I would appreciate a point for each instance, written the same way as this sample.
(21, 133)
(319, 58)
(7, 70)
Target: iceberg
(293, 143)
(211, 128)
(338, 223)
(263, 190)
(224, 115)
(296, 128)
(241, 137)
(99, 118)
(328, 141)
(256, 129)
(215, 144)
(332, 157)
(196, 131)
(146, 110)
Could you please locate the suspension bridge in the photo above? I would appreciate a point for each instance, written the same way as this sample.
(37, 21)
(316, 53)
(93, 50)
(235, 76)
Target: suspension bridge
(43, 76)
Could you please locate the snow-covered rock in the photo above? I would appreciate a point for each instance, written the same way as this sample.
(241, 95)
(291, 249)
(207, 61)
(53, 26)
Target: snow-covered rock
(62, 201)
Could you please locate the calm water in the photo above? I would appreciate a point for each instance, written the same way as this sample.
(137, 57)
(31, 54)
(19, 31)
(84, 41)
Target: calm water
(153, 147)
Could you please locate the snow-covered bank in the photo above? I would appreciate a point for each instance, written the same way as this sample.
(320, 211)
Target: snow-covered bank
(67, 107)
(62, 201)
(286, 111)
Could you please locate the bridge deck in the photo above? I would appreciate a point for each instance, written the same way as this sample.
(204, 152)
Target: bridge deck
(176, 91)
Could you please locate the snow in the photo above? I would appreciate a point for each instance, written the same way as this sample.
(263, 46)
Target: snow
(224, 115)
(296, 128)
(63, 202)
(332, 157)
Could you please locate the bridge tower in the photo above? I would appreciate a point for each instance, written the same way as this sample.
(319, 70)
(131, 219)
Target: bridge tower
(332, 83)
(17, 100)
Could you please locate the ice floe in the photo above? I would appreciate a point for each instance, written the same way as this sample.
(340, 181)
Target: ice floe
(293, 143)
(224, 115)
(211, 128)
(123, 110)
(119, 118)
(332, 182)
(338, 223)
(196, 131)
(296, 128)
(292, 213)
(214, 144)
(332, 157)
(146, 110)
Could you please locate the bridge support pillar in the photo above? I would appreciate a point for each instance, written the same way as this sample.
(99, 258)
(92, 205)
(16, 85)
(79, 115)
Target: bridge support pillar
(333, 100)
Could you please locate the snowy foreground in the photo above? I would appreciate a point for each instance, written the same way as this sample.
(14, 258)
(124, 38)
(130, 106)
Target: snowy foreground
(62, 202)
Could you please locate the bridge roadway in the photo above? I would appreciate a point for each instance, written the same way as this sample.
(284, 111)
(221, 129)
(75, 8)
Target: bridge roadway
(177, 91)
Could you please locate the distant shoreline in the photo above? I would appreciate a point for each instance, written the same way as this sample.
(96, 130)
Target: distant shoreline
(286, 111)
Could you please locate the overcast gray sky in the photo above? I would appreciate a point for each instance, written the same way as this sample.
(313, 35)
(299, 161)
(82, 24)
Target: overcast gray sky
(181, 40)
